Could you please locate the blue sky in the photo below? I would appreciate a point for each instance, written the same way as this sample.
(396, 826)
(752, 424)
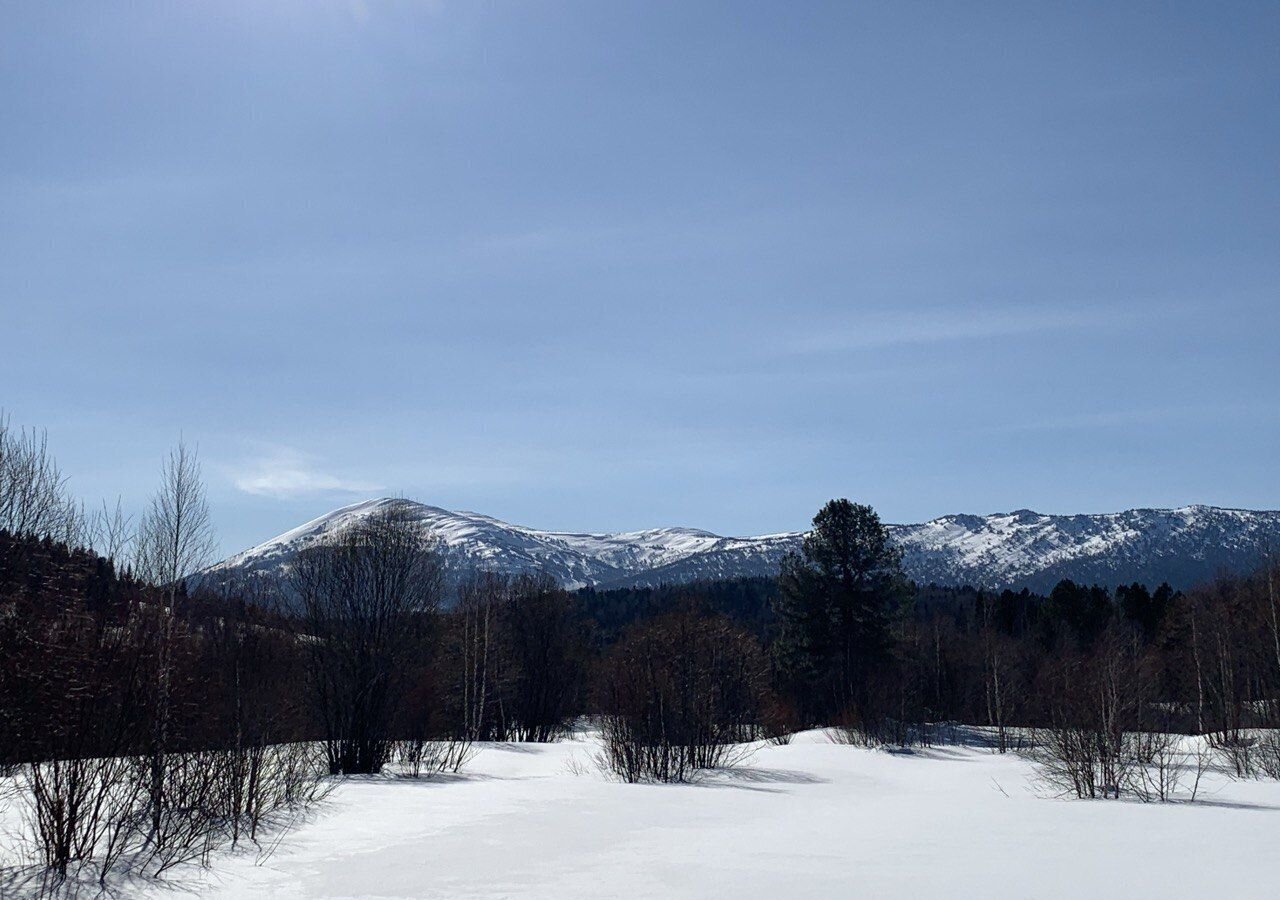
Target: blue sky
(618, 265)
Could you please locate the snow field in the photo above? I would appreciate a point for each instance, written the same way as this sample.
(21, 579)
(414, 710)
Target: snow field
(808, 820)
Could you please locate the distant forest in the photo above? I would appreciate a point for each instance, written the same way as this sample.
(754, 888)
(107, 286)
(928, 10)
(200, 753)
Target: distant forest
(142, 726)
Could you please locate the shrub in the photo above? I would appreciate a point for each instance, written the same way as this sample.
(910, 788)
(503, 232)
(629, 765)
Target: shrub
(681, 693)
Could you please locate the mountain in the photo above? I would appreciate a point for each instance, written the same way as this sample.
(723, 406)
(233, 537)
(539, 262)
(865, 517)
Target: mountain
(1014, 550)
(1028, 549)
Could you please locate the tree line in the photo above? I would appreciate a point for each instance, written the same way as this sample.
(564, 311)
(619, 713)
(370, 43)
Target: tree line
(143, 724)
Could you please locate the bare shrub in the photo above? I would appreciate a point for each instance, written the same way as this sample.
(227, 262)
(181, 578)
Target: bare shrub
(418, 757)
(1235, 749)
(1087, 747)
(850, 730)
(780, 720)
(187, 826)
(1202, 760)
(1267, 755)
(79, 808)
(1067, 760)
(576, 767)
(1148, 766)
(1159, 766)
(680, 694)
(89, 790)
(82, 685)
(254, 786)
(881, 732)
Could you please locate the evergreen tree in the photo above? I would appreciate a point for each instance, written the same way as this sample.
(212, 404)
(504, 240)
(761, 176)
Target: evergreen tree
(835, 609)
(1143, 608)
(1078, 611)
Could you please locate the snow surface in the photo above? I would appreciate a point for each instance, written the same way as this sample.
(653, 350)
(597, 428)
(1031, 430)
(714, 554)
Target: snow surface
(808, 820)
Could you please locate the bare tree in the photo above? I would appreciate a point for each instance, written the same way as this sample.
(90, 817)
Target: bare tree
(547, 646)
(175, 539)
(111, 534)
(33, 496)
(483, 601)
(997, 676)
(1272, 605)
(367, 600)
(520, 651)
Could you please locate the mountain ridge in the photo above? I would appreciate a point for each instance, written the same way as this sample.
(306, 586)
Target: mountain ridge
(1022, 548)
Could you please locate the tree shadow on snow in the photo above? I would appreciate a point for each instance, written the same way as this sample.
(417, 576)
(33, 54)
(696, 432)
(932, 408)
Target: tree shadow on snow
(1229, 804)
(949, 741)
(529, 747)
(443, 779)
(943, 753)
(36, 883)
(754, 778)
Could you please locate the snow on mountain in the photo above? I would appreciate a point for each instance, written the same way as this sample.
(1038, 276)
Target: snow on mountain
(1030, 549)
(1017, 549)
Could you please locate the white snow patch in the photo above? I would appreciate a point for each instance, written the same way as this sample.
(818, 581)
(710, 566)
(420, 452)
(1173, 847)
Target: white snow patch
(809, 820)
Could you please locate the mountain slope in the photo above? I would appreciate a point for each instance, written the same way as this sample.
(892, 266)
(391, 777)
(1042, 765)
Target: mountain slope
(1028, 549)
(1017, 549)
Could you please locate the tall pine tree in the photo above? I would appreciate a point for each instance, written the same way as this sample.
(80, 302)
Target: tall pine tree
(835, 610)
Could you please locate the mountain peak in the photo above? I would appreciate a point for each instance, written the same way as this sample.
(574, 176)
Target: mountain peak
(1022, 548)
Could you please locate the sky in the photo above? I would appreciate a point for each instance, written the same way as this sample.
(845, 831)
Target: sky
(608, 266)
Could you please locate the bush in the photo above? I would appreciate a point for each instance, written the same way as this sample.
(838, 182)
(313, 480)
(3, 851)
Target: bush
(681, 693)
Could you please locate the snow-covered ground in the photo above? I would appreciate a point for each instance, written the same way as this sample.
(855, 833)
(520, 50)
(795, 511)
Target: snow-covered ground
(812, 819)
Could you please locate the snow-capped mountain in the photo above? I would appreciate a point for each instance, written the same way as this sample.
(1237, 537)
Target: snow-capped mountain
(1029, 549)
(1017, 549)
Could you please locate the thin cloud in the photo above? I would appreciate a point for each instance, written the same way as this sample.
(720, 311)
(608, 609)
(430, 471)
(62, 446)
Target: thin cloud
(287, 473)
(362, 10)
(932, 326)
(1130, 418)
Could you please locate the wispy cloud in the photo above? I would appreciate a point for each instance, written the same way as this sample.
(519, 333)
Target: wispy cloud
(286, 473)
(881, 329)
(362, 10)
(1132, 418)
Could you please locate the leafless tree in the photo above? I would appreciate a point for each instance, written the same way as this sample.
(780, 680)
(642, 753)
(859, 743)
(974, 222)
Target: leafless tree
(546, 646)
(111, 534)
(483, 603)
(517, 655)
(998, 682)
(33, 496)
(175, 539)
(367, 601)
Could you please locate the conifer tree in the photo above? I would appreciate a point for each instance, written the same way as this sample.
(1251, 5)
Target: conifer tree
(835, 609)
